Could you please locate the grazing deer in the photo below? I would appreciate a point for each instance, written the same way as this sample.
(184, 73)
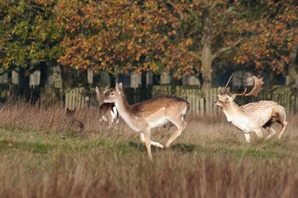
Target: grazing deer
(73, 121)
(107, 111)
(252, 116)
(144, 116)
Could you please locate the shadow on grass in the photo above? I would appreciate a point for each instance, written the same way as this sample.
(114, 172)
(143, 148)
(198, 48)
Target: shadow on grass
(184, 148)
(260, 149)
(138, 146)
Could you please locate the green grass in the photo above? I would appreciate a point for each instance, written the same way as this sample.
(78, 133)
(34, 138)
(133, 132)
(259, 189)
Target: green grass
(43, 143)
(42, 158)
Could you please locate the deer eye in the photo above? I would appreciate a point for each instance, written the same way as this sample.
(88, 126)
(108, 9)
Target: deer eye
(112, 94)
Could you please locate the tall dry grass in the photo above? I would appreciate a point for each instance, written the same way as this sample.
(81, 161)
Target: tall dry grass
(44, 154)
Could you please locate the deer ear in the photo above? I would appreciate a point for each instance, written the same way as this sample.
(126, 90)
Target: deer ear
(106, 89)
(119, 87)
(233, 97)
(97, 89)
(99, 94)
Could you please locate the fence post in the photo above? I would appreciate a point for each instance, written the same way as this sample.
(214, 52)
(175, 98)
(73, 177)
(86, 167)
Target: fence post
(203, 103)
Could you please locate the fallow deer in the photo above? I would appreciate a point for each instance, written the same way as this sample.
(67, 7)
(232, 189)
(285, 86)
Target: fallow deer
(253, 116)
(73, 121)
(143, 116)
(107, 111)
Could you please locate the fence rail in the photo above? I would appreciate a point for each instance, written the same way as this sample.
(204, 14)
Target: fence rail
(201, 102)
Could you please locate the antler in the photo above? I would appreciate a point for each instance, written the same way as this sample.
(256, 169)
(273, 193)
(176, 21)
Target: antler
(226, 90)
(226, 87)
(255, 90)
(106, 89)
(258, 82)
(257, 87)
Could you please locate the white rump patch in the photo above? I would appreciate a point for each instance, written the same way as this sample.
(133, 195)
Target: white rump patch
(114, 113)
(103, 118)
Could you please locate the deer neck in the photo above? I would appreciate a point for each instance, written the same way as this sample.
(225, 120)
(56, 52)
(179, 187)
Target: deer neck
(233, 111)
(122, 106)
(125, 111)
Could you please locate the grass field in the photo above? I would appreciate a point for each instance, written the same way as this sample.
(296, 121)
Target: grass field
(43, 153)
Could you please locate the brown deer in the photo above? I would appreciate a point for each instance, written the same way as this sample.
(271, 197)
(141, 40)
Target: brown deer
(107, 111)
(73, 121)
(143, 116)
(253, 116)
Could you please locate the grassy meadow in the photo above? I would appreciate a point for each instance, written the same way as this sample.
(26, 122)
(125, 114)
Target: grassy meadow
(45, 153)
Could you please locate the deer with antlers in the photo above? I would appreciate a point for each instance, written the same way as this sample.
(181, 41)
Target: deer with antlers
(253, 116)
(107, 111)
(144, 116)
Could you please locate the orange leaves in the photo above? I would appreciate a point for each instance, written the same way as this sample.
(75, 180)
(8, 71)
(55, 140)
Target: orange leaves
(270, 38)
(127, 37)
(44, 2)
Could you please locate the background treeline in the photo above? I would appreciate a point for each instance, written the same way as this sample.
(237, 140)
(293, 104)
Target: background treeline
(208, 39)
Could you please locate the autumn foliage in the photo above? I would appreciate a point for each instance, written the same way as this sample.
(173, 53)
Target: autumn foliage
(271, 38)
(123, 35)
(119, 36)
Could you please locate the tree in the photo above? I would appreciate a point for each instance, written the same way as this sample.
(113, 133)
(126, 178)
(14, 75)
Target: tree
(27, 33)
(28, 38)
(270, 37)
(118, 36)
(207, 27)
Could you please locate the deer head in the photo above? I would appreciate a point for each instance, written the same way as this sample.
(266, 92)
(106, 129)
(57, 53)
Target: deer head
(226, 97)
(70, 112)
(107, 111)
(112, 95)
(100, 94)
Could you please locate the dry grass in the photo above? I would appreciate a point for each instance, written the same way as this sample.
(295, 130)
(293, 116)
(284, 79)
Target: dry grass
(43, 153)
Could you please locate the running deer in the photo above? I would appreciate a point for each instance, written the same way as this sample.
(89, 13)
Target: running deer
(107, 111)
(143, 116)
(253, 116)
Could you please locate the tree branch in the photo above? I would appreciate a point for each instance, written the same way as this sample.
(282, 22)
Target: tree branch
(225, 50)
(221, 51)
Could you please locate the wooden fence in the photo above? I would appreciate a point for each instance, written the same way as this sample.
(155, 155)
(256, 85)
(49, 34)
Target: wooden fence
(78, 98)
(201, 102)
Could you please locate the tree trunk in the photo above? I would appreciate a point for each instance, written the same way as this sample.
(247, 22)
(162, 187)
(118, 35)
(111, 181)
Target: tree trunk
(206, 58)
(292, 79)
(24, 76)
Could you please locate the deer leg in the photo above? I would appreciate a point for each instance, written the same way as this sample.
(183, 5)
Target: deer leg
(247, 137)
(284, 124)
(110, 121)
(271, 132)
(281, 119)
(153, 143)
(103, 118)
(259, 133)
(180, 124)
(146, 136)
